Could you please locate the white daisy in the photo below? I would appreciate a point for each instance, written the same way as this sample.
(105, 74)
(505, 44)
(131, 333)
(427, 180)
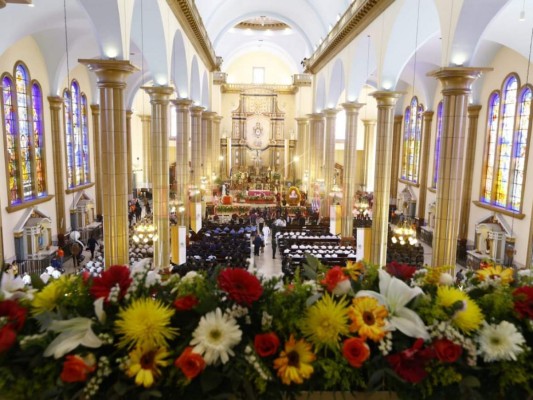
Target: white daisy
(215, 336)
(500, 342)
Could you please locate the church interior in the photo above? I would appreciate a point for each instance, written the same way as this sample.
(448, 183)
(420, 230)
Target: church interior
(390, 125)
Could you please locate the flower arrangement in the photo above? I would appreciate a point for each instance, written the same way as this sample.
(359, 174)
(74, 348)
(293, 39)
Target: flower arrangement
(135, 334)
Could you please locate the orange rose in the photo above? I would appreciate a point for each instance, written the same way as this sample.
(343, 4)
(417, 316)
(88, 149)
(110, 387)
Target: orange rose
(356, 351)
(191, 364)
(76, 369)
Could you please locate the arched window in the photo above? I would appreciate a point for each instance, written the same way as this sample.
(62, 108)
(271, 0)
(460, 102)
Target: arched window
(412, 141)
(506, 145)
(437, 147)
(76, 136)
(22, 110)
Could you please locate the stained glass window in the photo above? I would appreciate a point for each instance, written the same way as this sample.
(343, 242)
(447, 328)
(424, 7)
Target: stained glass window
(506, 145)
(412, 141)
(76, 136)
(23, 132)
(437, 146)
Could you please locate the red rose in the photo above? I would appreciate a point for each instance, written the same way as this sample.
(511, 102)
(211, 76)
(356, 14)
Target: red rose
(16, 315)
(114, 275)
(8, 337)
(266, 344)
(410, 364)
(356, 351)
(185, 303)
(447, 351)
(523, 301)
(333, 277)
(75, 369)
(191, 364)
(403, 272)
(241, 286)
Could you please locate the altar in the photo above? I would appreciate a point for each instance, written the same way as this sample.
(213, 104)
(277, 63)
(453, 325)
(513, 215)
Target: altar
(259, 192)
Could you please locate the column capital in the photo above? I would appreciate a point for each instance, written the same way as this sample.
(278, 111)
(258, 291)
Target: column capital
(208, 114)
(398, 118)
(218, 118)
(109, 73)
(182, 103)
(456, 80)
(95, 108)
(145, 117)
(352, 106)
(302, 120)
(386, 98)
(158, 94)
(55, 102)
(316, 117)
(474, 109)
(330, 112)
(369, 122)
(129, 113)
(197, 110)
(428, 115)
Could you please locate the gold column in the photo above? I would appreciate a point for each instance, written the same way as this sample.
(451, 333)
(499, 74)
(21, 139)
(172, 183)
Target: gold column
(473, 119)
(302, 149)
(456, 87)
(369, 161)
(396, 147)
(316, 134)
(329, 158)
(56, 104)
(207, 139)
(97, 140)
(146, 121)
(129, 113)
(350, 166)
(159, 98)
(182, 158)
(111, 80)
(380, 212)
(196, 144)
(424, 167)
(217, 153)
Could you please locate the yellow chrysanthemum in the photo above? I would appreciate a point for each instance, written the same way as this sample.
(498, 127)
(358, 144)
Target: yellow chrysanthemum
(354, 269)
(48, 298)
(325, 321)
(145, 322)
(294, 363)
(434, 273)
(144, 365)
(368, 318)
(505, 275)
(467, 315)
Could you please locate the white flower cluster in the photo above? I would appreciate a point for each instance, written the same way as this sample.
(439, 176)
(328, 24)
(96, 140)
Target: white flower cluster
(27, 341)
(444, 330)
(237, 311)
(418, 277)
(253, 360)
(266, 320)
(385, 345)
(103, 370)
(313, 285)
(114, 293)
(106, 338)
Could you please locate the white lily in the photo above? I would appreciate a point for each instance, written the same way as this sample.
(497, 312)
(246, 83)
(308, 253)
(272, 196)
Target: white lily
(395, 295)
(13, 288)
(74, 332)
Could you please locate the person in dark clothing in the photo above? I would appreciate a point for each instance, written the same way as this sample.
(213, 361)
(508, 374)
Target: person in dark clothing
(274, 243)
(257, 244)
(91, 244)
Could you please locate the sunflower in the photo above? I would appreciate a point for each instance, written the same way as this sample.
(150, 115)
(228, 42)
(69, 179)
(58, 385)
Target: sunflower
(325, 321)
(144, 364)
(145, 322)
(294, 363)
(368, 318)
(49, 297)
(504, 275)
(467, 315)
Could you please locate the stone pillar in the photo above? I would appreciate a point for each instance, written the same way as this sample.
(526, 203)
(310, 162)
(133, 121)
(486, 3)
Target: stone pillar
(56, 104)
(316, 134)
(303, 150)
(380, 211)
(350, 166)
(146, 121)
(424, 167)
(369, 163)
(396, 148)
(182, 159)
(111, 80)
(129, 113)
(473, 119)
(196, 145)
(159, 98)
(217, 150)
(456, 87)
(329, 158)
(209, 159)
(97, 140)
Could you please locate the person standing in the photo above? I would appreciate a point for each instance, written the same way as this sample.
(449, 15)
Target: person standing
(274, 242)
(257, 244)
(91, 244)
